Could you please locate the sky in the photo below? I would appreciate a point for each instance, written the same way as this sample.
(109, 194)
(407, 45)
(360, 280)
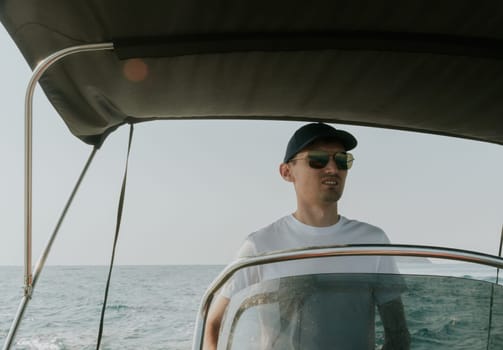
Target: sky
(196, 189)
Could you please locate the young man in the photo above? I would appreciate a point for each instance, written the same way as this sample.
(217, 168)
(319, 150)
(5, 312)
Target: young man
(317, 163)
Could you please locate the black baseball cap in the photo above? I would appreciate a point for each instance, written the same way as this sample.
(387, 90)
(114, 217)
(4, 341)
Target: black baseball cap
(309, 133)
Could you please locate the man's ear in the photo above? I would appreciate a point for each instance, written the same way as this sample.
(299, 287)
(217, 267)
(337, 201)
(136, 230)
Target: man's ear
(286, 172)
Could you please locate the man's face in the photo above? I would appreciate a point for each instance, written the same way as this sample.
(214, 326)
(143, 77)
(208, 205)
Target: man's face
(316, 186)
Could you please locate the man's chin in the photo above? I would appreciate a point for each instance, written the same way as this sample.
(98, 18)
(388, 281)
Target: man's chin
(332, 197)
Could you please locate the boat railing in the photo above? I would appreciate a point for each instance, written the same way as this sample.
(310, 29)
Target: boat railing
(31, 275)
(418, 251)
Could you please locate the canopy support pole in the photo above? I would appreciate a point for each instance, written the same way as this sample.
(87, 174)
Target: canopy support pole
(29, 279)
(492, 295)
(45, 254)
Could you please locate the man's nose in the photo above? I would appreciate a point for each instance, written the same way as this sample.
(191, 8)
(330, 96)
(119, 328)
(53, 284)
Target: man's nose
(331, 166)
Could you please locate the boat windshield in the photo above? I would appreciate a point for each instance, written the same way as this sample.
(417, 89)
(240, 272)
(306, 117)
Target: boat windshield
(443, 306)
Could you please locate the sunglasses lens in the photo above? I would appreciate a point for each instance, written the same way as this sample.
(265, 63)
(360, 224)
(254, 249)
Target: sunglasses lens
(341, 160)
(318, 160)
(344, 161)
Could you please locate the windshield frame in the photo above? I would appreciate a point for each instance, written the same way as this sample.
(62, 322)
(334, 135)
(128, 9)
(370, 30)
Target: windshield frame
(334, 251)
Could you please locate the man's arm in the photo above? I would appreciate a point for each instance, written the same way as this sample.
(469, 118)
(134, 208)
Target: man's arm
(213, 321)
(396, 333)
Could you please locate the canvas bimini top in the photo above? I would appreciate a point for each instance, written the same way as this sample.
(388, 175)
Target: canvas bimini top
(424, 65)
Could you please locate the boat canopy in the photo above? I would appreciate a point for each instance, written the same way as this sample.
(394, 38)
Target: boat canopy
(427, 66)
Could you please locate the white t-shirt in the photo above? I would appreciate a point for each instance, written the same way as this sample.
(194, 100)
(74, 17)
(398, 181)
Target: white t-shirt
(289, 233)
(342, 309)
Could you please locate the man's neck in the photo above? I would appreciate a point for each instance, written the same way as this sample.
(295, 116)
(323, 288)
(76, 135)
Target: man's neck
(321, 216)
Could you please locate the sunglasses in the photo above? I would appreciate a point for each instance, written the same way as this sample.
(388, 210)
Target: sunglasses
(320, 159)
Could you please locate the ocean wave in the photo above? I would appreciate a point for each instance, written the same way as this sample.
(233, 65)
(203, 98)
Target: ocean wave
(41, 344)
(119, 307)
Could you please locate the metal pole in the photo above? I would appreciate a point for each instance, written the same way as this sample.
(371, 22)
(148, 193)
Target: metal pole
(28, 166)
(43, 257)
(37, 73)
(491, 303)
(40, 264)
(499, 254)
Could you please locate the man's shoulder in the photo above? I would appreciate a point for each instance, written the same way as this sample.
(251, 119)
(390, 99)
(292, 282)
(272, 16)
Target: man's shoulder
(271, 237)
(365, 229)
(352, 223)
(273, 228)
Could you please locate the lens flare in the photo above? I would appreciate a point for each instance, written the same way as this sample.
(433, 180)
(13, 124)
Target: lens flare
(135, 70)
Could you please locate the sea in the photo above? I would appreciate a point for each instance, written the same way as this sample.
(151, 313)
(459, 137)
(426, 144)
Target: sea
(149, 307)
(155, 307)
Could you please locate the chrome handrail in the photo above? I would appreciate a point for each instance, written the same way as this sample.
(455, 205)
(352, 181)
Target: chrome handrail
(29, 279)
(39, 70)
(334, 251)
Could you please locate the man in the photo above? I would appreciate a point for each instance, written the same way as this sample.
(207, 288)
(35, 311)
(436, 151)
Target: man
(316, 163)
